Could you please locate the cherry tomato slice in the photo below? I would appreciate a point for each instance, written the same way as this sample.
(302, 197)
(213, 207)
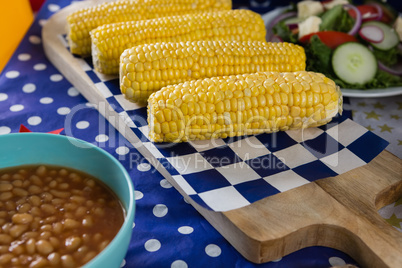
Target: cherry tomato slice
(330, 38)
(369, 12)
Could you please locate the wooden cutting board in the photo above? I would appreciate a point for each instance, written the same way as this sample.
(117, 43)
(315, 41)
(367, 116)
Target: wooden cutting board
(339, 212)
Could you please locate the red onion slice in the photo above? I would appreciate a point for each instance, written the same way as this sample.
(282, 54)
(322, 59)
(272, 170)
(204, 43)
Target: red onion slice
(282, 17)
(380, 13)
(275, 39)
(358, 20)
(396, 71)
(293, 26)
(372, 33)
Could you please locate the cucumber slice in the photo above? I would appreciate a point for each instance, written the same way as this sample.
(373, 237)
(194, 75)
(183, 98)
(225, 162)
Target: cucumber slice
(390, 40)
(354, 63)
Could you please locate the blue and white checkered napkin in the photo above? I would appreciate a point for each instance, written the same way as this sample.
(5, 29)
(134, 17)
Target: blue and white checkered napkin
(226, 174)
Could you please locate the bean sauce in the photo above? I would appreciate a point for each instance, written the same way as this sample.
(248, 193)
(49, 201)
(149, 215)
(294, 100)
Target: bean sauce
(54, 216)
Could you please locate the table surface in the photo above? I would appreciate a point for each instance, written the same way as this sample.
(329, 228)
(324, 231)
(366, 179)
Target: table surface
(167, 232)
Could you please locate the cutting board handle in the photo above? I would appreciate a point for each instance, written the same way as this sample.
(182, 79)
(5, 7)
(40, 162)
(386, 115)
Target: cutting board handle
(371, 241)
(339, 212)
(377, 243)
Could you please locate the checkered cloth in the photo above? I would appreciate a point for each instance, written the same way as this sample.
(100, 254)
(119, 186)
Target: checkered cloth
(225, 174)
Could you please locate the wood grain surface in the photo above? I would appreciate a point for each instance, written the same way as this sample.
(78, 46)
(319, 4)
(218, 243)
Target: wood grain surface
(338, 212)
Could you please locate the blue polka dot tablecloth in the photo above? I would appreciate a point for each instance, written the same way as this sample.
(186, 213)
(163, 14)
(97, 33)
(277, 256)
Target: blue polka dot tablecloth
(167, 231)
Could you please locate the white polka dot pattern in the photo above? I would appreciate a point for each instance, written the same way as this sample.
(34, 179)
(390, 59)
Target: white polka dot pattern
(17, 108)
(24, 57)
(152, 245)
(160, 210)
(101, 138)
(63, 110)
(34, 120)
(138, 195)
(336, 261)
(179, 264)
(53, 7)
(185, 230)
(46, 100)
(213, 250)
(90, 105)
(42, 22)
(3, 96)
(82, 125)
(12, 74)
(4, 130)
(56, 77)
(29, 88)
(122, 150)
(165, 184)
(144, 167)
(39, 67)
(35, 39)
(72, 92)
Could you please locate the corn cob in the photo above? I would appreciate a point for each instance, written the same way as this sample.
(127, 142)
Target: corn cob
(246, 104)
(81, 22)
(110, 40)
(147, 68)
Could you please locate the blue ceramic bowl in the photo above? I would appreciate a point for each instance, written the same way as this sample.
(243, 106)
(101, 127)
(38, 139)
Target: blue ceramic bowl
(39, 148)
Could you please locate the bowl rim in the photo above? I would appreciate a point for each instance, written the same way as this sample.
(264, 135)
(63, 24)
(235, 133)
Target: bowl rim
(129, 211)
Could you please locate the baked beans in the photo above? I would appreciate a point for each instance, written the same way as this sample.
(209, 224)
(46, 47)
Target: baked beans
(54, 216)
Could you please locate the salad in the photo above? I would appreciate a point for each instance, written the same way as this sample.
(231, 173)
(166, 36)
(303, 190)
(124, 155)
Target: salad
(358, 46)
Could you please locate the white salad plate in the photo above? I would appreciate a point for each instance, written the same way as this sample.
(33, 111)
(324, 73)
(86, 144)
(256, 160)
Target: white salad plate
(372, 93)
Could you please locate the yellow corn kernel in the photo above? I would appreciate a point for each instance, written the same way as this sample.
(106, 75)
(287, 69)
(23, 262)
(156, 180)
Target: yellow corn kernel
(252, 115)
(165, 128)
(294, 111)
(228, 52)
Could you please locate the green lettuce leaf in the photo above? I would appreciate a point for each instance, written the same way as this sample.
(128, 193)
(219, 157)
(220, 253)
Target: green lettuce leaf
(284, 32)
(336, 19)
(319, 58)
(388, 57)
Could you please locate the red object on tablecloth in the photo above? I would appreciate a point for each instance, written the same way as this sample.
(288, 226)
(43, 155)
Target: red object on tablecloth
(25, 129)
(36, 4)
